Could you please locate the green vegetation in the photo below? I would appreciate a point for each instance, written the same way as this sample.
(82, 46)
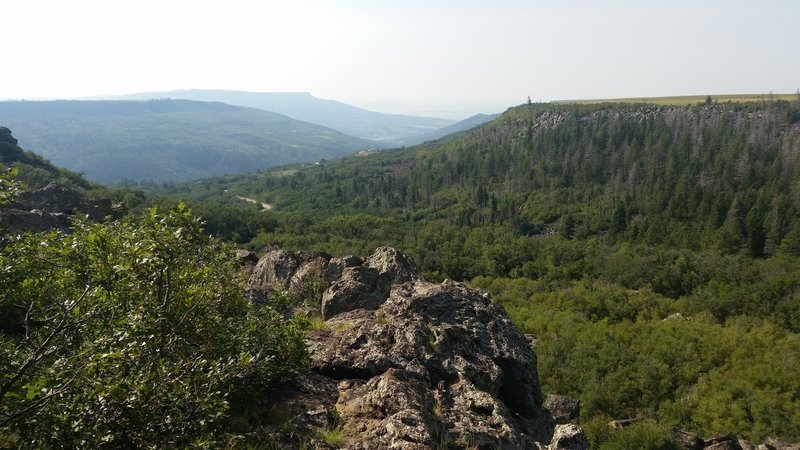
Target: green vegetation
(645, 435)
(132, 334)
(651, 250)
(167, 140)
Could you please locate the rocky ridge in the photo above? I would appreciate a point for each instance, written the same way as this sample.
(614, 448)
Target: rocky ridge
(50, 208)
(47, 208)
(398, 362)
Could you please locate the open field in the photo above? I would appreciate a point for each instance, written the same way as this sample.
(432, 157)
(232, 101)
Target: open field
(689, 99)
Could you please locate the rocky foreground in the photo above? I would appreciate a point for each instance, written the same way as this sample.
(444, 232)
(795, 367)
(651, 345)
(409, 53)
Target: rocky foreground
(401, 363)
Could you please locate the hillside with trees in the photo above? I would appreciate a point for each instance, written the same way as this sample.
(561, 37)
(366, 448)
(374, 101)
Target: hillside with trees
(650, 250)
(167, 140)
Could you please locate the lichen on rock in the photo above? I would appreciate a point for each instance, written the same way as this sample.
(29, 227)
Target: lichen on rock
(411, 364)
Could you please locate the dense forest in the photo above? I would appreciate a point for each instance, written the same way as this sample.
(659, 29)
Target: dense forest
(651, 250)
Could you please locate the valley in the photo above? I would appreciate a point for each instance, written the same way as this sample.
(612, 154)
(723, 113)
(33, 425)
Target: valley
(647, 251)
(645, 247)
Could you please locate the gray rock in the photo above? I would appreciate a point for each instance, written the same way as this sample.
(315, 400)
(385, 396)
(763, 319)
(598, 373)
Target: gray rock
(246, 258)
(359, 287)
(5, 136)
(773, 443)
(563, 409)
(19, 221)
(419, 365)
(54, 198)
(688, 440)
(390, 261)
(568, 437)
(273, 272)
(333, 271)
(307, 282)
(746, 445)
(725, 442)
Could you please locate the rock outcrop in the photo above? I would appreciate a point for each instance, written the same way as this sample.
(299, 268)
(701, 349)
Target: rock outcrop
(402, 363)
(563, 409)
(691, 441)
(50, 208)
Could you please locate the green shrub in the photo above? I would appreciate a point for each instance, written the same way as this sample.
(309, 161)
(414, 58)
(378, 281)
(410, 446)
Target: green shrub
(132, 333)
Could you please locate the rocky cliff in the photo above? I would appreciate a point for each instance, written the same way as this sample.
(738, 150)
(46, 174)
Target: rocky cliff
(398, 362)
(49, 207)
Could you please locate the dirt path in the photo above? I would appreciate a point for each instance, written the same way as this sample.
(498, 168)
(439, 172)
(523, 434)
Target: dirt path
(264, 206)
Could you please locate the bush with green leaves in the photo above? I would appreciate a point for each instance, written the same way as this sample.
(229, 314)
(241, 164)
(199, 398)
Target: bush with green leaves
(132, 333)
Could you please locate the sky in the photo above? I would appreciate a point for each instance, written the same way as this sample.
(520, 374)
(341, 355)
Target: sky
(447, 58)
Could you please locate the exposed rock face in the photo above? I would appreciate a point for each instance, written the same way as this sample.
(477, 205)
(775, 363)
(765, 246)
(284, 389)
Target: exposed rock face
(246, 258)
(395, 265)
(273, 271)
(56, 199)
(568, 437)
(726, 442)
(359, 287)
(564, 409)
(47, 208)
(688, 440)
(5, 136)
(408, 364)
(18, 221)
(50, 208)
(772, 443)
(691, 441)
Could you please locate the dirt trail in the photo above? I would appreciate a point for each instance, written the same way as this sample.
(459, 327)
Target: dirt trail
(264, 206)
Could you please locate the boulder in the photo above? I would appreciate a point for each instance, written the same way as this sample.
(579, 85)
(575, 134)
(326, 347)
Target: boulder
(418, 365)
(359, 287)
(54, 198)
(390, 261)
(307, 282)
(245, 258)
(335, 267)
(568, 437)
(563, 409)
(19, 221)
(724, 442)
(688, 440)
(273, 272)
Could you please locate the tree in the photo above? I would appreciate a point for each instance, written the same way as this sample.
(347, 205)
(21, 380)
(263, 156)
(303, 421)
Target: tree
(132, 333)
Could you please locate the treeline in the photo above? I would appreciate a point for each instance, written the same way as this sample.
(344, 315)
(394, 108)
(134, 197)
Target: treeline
(716, 176)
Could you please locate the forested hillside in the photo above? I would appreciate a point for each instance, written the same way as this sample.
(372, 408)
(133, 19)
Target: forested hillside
(161, 140)
(651, 250)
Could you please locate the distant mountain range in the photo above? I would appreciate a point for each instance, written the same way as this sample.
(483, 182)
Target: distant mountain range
(167, 140)
(466, 124)
(391, 130)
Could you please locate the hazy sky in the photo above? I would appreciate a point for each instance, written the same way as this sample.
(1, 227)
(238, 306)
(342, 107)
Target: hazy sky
(453, 57)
